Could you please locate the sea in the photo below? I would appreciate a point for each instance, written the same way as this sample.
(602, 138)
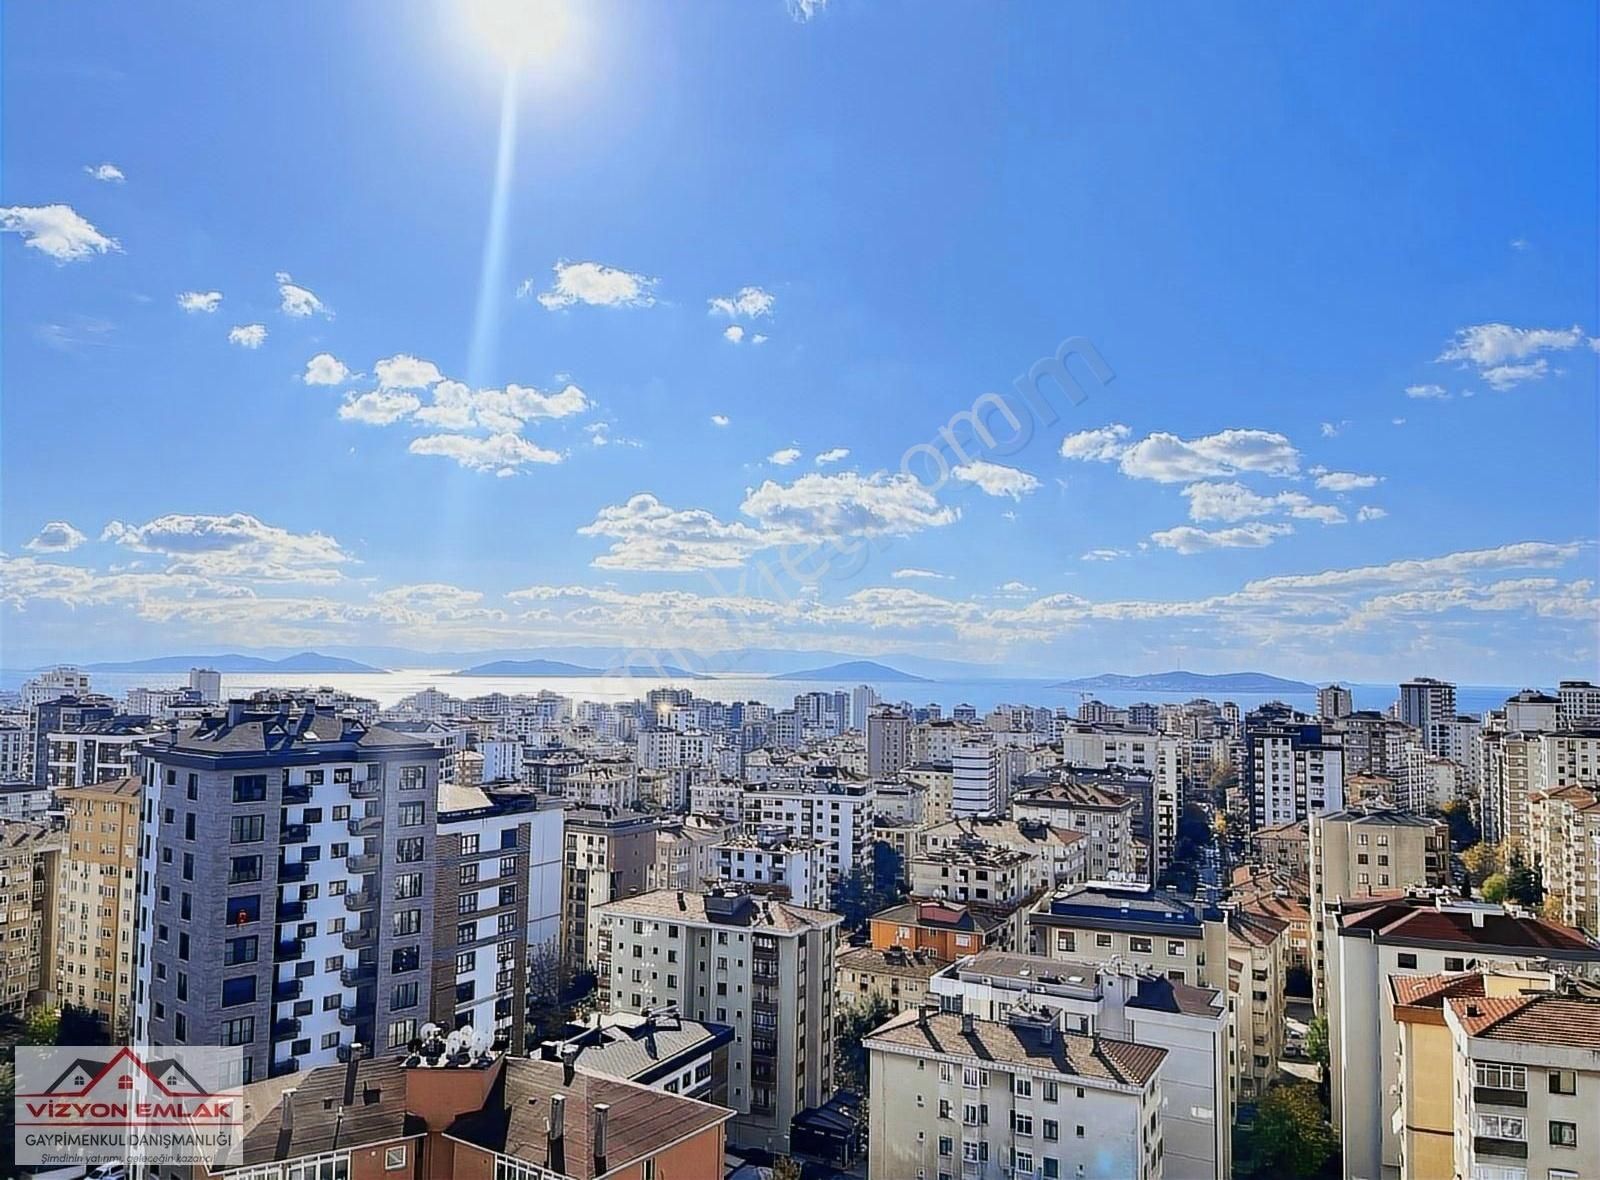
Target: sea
(388, 688)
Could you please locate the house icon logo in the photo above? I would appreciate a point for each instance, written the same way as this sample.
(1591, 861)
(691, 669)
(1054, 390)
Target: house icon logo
(103, 1104)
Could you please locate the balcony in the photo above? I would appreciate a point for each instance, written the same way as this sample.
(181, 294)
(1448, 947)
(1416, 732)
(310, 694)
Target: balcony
(356, 900)
(286, 1029)
(1514, 1149)
(297, 793)
(355, 939)
(291, 911)
(356, 976)
(363, 862)
(366, 825)
(349, 1014)
(290, 872)
(1498, 1097)
(287, 989)
(290, 949)
(367, 788)
(286, 1066)
(294, 833)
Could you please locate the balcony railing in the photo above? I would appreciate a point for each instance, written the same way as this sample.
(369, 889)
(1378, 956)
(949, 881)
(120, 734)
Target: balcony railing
(355, 939)
(363, 862)
(356, 976)
(356, 900)
(291, 911)
(349, 1015)
(287, 1065)
(287, 989)
(286, 1029)
(290, 949)
(366, 825)
(294, 833)
(293, 871)
(297, 793)
(368, 788)
(1495, 1096)
(1514, 1149)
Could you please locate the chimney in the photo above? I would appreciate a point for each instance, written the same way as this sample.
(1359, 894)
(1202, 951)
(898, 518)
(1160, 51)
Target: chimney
(966, 1024)
(558, 1106)
(350, 1071)
(601, 1109)
(236, 710)
(286, 1117)
(569, 1063)
(1477, 919)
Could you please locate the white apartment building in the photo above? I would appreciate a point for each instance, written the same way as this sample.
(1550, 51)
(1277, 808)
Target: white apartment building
(954, 1095)
(668, 749)
(760, 965)
(685, 853)
(1158, 755)
(61, 681)
(838, 815)
(1104, 817)
(1578, 704)
(13, 753)
(1059, 854)
(769, 859)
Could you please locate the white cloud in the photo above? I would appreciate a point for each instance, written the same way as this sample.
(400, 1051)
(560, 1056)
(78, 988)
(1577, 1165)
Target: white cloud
(505, 410)
(1332, 429)
(380, 407)
(1428, 392)
(914, 572)
(758, 338)
(57, 230)
(296, 300)
(648, 535)
(733, 332)
(1017, 588)
(802, 11)
(833, 455)
(1104, 554)
(248, 335)
(820, 507)
(749, 303)
(503, 454)
(996, 479)
(325, 369)
(404, 371)
(594, 284)
(107, 173)
(237, 545)
(1506, 356)
(1103, 443)
(1233, 502)
(56, 537)
(204, 301)
(1188, 540)
(719, 419)
(784, 457)
(1344, 481)
(1370, 512)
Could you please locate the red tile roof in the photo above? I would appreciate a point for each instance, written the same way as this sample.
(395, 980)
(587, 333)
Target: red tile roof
(1545, 1019)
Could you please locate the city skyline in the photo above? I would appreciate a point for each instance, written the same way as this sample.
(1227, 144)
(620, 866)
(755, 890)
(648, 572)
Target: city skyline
(639, 348)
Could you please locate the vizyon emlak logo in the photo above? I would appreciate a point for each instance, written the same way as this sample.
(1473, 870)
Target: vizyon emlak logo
(146, 1104)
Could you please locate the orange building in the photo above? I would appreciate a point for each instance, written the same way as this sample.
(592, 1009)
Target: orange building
(944, 929)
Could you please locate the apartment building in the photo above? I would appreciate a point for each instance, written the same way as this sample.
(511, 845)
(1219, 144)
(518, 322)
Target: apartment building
(1146, 755)
(24, 802)
(1577, 704)
(977, 873)
(97, 890)
(895, 975)
(59, 715)
(762, 966)
(1104, 816)
(1285, 847)
(497, 894)
(1359, 853)
(944, 929)
(286, 887)
(1059, 854)
(954, 1095)
(1122, 1003)
(1425, 703)
(1565, 828)
(1258, 954)
(662, 1050)
(608, 855)
(14, 761)
(1293, 766)
(1533, 1062)
(938, 780)
(1145, 927)
(685, 852)
(888, 741)
(836, 813)
(770, 860)
(1372, 939)
(97, 751)
(29, 866)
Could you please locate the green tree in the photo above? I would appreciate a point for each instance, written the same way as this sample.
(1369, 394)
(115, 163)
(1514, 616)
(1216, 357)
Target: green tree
(1317, 1043)
(1464, 833)
(1494, 887)
(1291, 1137)
(42, 1027)
(786, 1168)
(1481, 861)
(853, 1025)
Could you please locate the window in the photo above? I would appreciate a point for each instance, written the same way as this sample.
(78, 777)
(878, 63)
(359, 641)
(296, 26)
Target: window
(402, 1032)
(1177, 948)
(239, 950)
(239, 1032)
(244, 869)
(411, 778)
(1021, 1123)
(469, 845)
(407, 885)
(412, 815)
(1052, 1130)
(394, 1158)
(1050, 1091)
(249, 788)
(469, 874)
(408, 850)
(1563, 1134)
(1024, 1162)
(407, 922)
(1503, 1126)
(238, 991)
(1563, 1081)
(404, 996)
(1139, 945)
(244, 909)
(1407, 961)
(248, 829)
(1102, 940)
(1022, 1087)
(1493, 1075)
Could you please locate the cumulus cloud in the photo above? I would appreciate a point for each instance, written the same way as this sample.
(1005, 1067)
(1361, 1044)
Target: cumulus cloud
(733, 333)
(803, 11)
(719, 419)
(107, 173)
(833, 455)
(748, 303)
(325, 369)
(821, 507)
(199, 301)
(248, 335)
(913, 572)
(1187, 539)
(648, 535)
(1506, 356)
(59, 231)
(1104, 554)
(296, 300)
(380, 407)
(1436, 393)
(56, 537)
(784, 457)
(503, 454)
(237, 545)
(1370, 512)
(1103, 443)
(594, 284)
(1166, 458)
(404, 371)
(996, 479)
(1344, 481)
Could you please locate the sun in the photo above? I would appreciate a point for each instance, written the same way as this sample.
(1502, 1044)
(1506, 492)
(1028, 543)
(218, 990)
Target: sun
(519, 32)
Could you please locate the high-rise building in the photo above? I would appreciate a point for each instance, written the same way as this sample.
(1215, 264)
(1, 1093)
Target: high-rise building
(98, 900)
(863, 699)
(1426, 703)
(207, 683)
(888, 740)
(97, 751)
(54, 683)
(760, 965)
(1578, 704)
(59, 715)
(287, 873)
(1334, 701)
(1294, 767)
(29, 859)
(609, 854)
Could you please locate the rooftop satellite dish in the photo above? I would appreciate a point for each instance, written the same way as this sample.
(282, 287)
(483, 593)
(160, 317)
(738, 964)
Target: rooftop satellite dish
(454, 1043)
(482, 1041)
(431, 1030)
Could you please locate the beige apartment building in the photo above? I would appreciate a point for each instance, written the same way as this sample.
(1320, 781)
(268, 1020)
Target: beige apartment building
(896, 975)
(29, 855)
(1565, 829)
(98, 899)
(1258, 953)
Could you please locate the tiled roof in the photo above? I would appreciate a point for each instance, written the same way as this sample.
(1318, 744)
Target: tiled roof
(1255, 929)
(1430, 991)
(938, 914)
(126, 787)
(990, 1041)
(1409, 920)
(864, 958)
(759, 913)
(1544, 1019)
(322, 1119)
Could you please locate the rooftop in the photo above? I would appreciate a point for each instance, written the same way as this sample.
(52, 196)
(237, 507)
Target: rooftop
(723, 907)
(1546, 1018)
(1118, 908)
(942, 915)
(1423, 919)
(127, 787)
(241, 731)
(638, 1048)
(1093, 1058)
(893, 961)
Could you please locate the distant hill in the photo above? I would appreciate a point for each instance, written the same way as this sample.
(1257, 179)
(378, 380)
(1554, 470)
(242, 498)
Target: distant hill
(306, 661)
(856, 670)
(1197, 682)
(558, 668)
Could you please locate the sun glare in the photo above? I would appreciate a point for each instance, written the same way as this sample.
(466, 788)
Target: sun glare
(519, 32)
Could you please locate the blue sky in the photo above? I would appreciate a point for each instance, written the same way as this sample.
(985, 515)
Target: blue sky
(1339, 261)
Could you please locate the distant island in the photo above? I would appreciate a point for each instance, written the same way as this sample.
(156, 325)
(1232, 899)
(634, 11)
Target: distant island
(306, 661)
(857, 670)
(1197, 682)
(556, 668)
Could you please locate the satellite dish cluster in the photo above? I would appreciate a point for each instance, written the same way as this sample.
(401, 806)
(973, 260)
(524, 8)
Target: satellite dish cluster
(437, 1049)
